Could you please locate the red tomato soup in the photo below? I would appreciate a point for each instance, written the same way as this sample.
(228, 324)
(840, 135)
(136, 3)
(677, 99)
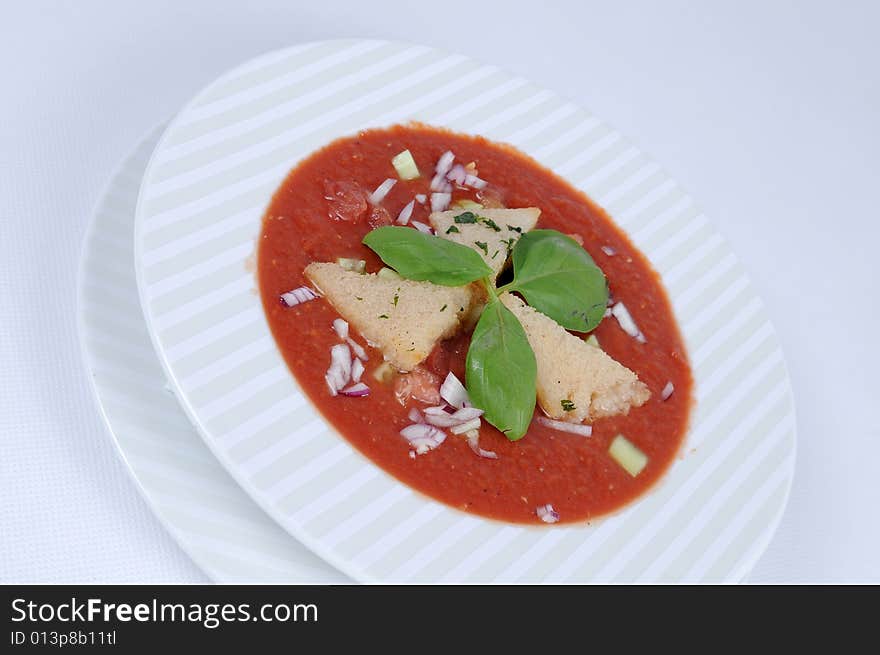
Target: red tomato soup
(321, 213)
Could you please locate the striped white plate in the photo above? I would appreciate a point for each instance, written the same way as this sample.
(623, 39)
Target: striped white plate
(208, 514)
(204, 192)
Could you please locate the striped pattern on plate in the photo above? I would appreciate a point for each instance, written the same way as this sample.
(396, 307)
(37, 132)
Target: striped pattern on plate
(208, 514)
(199, 212)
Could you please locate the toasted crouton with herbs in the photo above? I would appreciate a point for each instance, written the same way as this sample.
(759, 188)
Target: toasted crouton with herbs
(576, 381)
(491, 232)
(402, 318)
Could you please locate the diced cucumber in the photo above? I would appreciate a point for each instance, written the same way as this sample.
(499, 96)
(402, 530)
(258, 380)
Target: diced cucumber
(624, 452)
(464, 203)
(384, 372)
(405, 165)
(593, 341)
(355, 265)
(388, 274)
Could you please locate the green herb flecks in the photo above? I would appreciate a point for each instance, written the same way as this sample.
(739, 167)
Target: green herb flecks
(383, 315)
(567, 406)
(465, 217)
(452, 229)
(443, 309)
(482, 245)
(490, 223)
(514, 228)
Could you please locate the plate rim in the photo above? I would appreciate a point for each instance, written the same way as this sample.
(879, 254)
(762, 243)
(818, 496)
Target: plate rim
(85, 246)
(88, 357)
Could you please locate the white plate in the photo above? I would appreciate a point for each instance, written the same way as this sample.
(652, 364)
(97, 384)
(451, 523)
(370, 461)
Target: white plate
(203, 508)
(205, 190)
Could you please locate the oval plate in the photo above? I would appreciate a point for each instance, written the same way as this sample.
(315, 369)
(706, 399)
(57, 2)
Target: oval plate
(203, 195)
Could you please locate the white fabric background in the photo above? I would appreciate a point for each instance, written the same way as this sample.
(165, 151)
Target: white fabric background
(765, 111)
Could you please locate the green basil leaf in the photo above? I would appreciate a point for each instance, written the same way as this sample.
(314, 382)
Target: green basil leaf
(419, 256)
(501, 371)
(558, 277)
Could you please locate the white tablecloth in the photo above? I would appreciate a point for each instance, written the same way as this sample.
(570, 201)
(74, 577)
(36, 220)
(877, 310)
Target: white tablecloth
(766, 112)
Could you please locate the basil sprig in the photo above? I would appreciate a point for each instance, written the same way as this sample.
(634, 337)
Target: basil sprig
(551, 271)
(418, 256)
(558, 277)
(501, 371)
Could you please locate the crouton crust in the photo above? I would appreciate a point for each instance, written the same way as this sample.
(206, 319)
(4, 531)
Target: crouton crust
(511, 224)
(574, 374)
(403, 318)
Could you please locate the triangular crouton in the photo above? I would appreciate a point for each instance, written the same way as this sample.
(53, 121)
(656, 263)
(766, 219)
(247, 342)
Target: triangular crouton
(510, 224)
(403, 318)
(590, 382)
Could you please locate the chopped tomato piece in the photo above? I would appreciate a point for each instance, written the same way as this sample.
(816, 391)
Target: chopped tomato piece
(347, 200)
(379, 216)
(491, 198)
(419, 384)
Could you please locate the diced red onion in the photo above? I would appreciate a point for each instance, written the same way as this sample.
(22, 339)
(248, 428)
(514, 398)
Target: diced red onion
(382, 190)
(473, 439)
(607, 312)
(297, 296)
(475, 182)
(467, 426)
(357, 370)
(357, 348)
(423, 437)
(439, 183)
(547, 514)
(440, 201)
(439, 414)
(405, 213)
(415, 416)
(565, 426)
(423, 445)
(608, 250)
(422, 227)
(441, 418)
(440, 409)
(339, 373)
(421, 198)
(667, 391)
(444, 163)
(340, 356)
(457, 174)
(356, 390)
(341, 328)
(627, 324)
(453, 391)
(467, 413)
